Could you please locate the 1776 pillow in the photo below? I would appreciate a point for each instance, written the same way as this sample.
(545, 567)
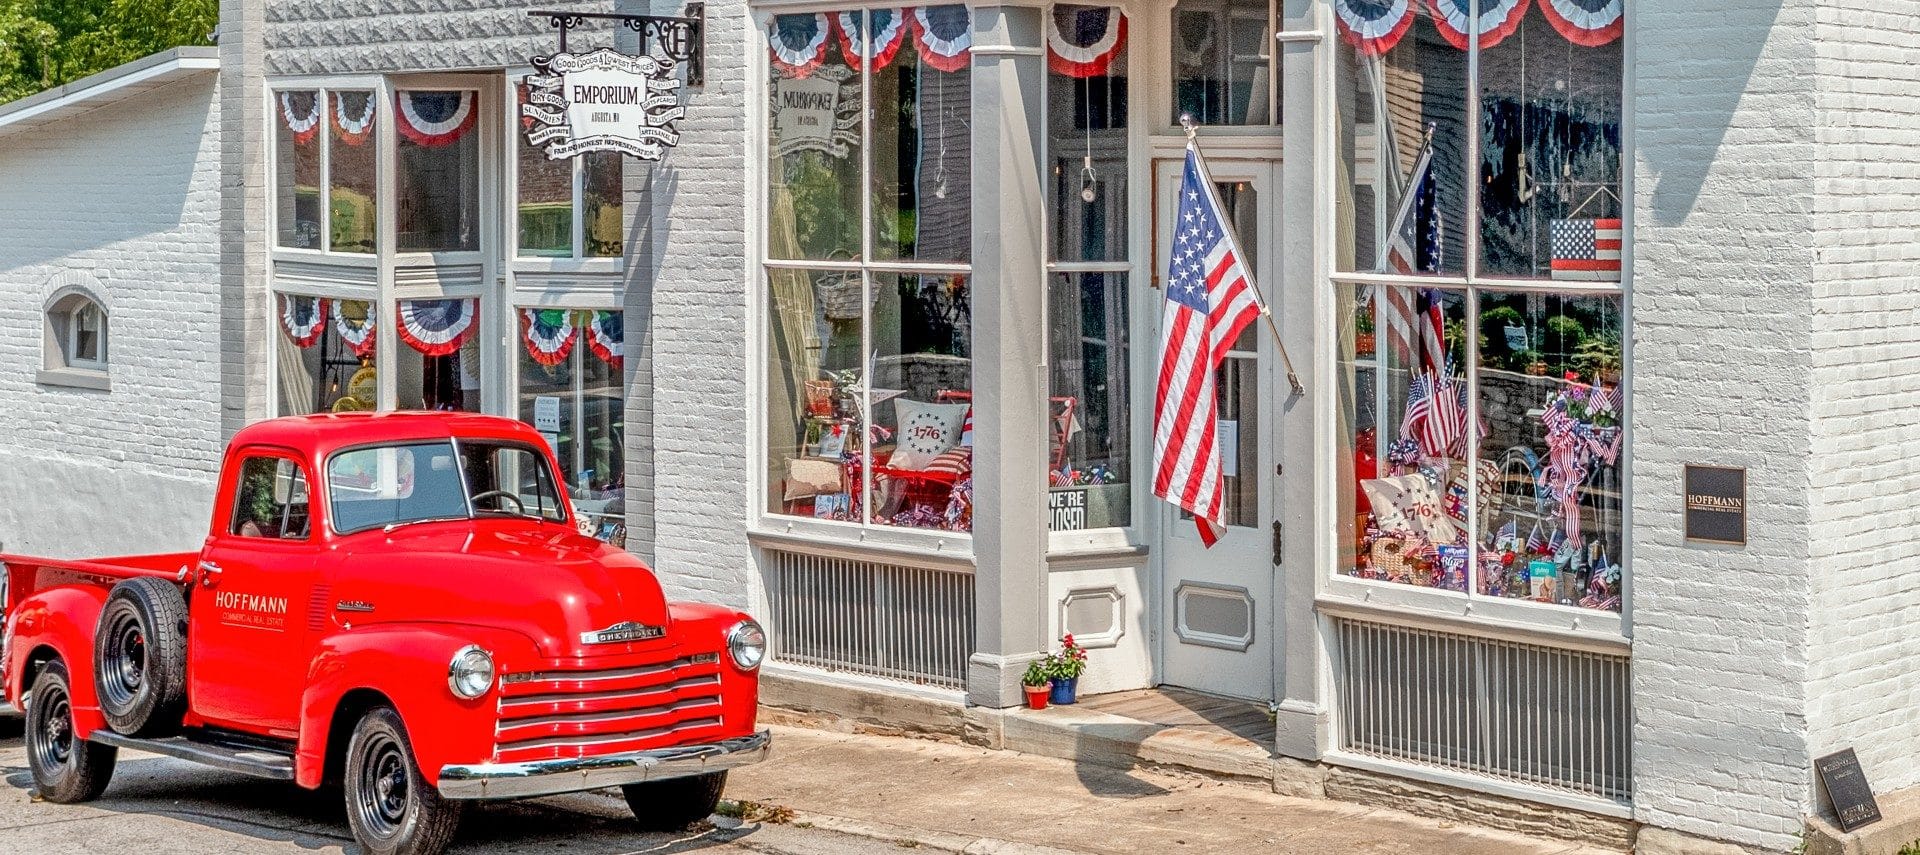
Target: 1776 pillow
(926, 432)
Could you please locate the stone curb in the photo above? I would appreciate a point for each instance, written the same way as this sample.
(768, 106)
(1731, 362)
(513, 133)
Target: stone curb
(933, 841)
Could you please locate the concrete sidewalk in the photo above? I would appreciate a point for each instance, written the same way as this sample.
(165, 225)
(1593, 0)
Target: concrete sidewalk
(959, 798)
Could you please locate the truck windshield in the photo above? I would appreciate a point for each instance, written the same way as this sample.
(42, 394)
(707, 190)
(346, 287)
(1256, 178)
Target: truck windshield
(415, 482)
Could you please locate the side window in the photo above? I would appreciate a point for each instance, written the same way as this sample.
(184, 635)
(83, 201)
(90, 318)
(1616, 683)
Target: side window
(272, 502)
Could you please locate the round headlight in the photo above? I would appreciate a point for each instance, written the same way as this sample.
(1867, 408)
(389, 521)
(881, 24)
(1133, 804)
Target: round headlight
(471, 673)
(748, 644)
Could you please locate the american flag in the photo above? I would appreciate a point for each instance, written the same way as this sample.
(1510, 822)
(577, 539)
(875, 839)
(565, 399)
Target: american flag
(1585, 249)
(1210, 300)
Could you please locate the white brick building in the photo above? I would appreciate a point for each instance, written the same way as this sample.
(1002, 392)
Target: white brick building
(761, 354)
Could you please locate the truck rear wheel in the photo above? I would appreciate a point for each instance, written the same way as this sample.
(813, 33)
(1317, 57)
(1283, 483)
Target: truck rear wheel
(675, 803)
(391, 807)
(140, 657)
(66, 768)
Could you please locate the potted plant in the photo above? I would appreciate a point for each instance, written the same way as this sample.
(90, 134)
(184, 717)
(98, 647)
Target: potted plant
(1363, 341)
(1599, 357)
(1535, 362)
(1036, 683)
(1064, 668)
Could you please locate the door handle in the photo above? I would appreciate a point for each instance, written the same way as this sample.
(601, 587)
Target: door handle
(209, 574)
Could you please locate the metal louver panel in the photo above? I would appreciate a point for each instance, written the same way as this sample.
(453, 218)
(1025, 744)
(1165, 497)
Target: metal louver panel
(903, 623)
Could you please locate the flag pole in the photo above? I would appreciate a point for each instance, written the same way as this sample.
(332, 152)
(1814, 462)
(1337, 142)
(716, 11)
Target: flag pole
(1293, 380)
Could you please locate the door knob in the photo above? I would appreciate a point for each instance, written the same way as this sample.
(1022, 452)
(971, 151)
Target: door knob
(209, 574)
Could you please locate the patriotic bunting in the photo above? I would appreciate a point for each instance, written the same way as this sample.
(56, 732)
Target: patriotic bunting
(1498, 20)
(304, 319)
(1373, 27)
(355, 125)
(435, 119)
(301, 112)
(1082, 41)
(355, 326)
(944, 35)
(437, 327)
(889, 33)
(549, 334)
(797, 43)
(1589, 23)
(605, 334)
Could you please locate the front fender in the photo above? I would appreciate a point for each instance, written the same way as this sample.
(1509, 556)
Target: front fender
(407, 665)
(62, 619)
(700, 627)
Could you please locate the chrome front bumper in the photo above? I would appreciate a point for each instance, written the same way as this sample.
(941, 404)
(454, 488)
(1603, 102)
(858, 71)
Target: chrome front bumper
(548, 777)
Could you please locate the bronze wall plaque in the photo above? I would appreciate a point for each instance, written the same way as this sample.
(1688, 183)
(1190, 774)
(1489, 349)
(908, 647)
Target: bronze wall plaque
(1716, 503)
(1853, 803)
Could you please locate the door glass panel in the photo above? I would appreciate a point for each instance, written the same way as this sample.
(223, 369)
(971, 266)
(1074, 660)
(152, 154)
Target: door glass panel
(1238, 384)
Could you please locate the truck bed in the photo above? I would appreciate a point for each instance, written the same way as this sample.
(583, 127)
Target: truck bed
(32, 573)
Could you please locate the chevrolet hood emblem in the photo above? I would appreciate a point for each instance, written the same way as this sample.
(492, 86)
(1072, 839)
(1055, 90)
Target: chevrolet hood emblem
(623, 631)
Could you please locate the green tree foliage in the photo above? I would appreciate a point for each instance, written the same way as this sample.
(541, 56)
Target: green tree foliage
(44, 43)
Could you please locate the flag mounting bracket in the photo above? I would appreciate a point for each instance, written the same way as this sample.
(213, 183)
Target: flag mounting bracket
(682, 39)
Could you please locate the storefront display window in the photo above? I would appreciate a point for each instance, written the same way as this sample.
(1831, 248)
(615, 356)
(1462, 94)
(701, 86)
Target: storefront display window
(437, 185)
(554, 195)
(297, 159)
(1089, 441)
(869, 369)
(323, 163)
(326, 355)
(350, 166)
(1483, 422)
(438, 364)
(571, 391)
(1224, 63)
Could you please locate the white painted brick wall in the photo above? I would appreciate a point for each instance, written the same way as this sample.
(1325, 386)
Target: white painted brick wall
(1724, 252)
(305, 37)
(129, 193)
(1863, 657)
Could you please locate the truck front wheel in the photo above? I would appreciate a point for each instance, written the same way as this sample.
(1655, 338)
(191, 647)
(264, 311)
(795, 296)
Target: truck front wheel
(66, 768)
(675, 803)
(392, 808)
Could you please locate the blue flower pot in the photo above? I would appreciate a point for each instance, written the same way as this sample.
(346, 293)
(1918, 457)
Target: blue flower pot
(1063, 690)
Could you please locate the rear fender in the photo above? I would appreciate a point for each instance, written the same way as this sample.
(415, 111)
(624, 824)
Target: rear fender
(407, 664)
(63, 620)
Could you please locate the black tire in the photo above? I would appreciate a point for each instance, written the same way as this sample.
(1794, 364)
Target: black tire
(392, 809)
(66, 769)
(140, 657)
(675, 803)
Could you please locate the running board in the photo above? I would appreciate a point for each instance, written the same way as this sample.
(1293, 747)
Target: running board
(257, 762)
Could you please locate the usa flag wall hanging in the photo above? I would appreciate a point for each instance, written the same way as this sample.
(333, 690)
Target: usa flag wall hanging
(944, 35)
(303, 318)
(1373, 27)
(605, 334)
(437, 327)
(549, 334)
(1082, 41)
(301, 112)
(797, 43)
(354, 321)
(355, 124)
(889, 32)
(1586, 250)
(1498, 20)
(435, 119)
(1590, 23)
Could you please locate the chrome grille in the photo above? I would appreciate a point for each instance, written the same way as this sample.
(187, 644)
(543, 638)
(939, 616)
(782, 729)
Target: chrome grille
(568, 712)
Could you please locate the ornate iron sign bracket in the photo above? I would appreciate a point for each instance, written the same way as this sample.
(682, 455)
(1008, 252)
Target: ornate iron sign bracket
(682, 39)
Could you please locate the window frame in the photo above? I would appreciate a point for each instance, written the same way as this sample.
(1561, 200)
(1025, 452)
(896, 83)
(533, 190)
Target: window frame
(1469, 607)
(240, 485)
(60, 316)
(324, 86)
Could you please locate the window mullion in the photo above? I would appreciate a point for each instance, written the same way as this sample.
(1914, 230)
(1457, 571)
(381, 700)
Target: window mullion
(1474, 499)
(325, 139)
(866, 277)
(1471, 153)
(579, 207)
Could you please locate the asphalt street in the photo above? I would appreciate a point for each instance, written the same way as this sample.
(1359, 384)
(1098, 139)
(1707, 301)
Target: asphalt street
(161, 806)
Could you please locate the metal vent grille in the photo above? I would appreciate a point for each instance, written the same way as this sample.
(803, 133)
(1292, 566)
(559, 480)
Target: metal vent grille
(882, 620)
(1517, 712)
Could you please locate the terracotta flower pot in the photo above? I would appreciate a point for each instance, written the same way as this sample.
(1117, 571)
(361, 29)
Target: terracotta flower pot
(1037, 696)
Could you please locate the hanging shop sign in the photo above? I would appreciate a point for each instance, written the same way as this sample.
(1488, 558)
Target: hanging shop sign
(819, 112)
(605, 100)
(1716, 504)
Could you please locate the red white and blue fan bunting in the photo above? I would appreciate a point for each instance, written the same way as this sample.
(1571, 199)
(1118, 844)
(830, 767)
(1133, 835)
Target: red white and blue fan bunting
(1590, 23)
(889, 33)
(355, 123)
(797, 43)
(1498, 20)
(1082, 41)
(357, 332)
(304, 319)
(1373, 27)
(437, 327)
(605, 332)
(301, 112)
(434, 119)
(945, 36)
(549, 334)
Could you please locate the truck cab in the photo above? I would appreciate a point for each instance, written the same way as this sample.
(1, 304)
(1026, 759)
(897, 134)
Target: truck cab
(400, 602)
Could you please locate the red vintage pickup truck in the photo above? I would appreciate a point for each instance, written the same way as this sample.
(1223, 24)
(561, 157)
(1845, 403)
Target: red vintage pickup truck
(399, 604)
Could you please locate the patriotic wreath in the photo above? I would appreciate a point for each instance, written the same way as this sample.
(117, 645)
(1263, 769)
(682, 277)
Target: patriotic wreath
(605, 336)
(1589, 23)
(354, 130)
(1088, 42)
(357, 332)
(797, 43)
(303, 319)
(944, 35)
(889, 33)
(437, 327)
(435, 119)
(1498, 20)
(304, 122)
(549, 334)
(1373, 27)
